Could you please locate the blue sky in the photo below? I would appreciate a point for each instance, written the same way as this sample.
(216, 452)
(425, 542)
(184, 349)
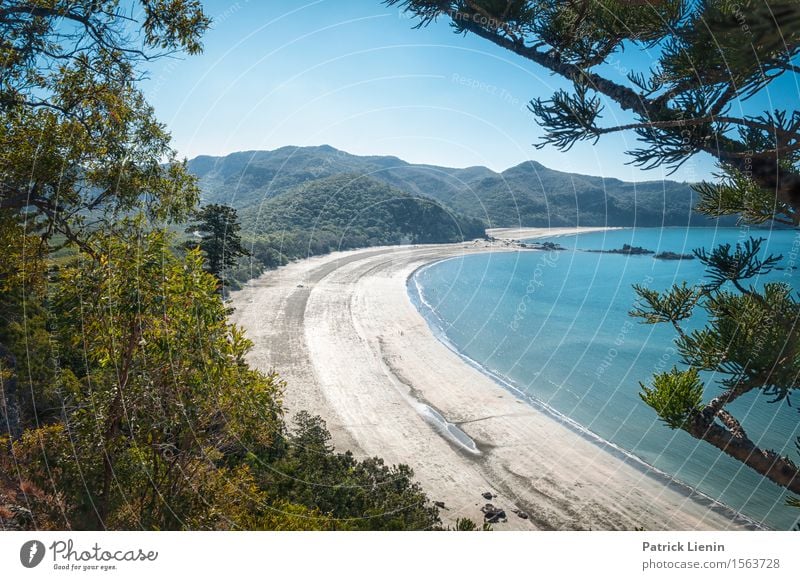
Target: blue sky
(355, 75)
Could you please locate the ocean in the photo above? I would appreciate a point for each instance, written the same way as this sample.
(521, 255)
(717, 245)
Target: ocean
(554, 326)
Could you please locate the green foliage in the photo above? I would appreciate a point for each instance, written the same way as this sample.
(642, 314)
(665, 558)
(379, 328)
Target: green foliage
(675, 396)
(354, 495)
(23, 504)
(567, 115)
(736, 194)
(162, 387)
(164, 426)
(78, 142)
(754, 41)
(24, 341)
(467, 525)
(750, 339)
(743, 263)
(355, 211)
(674, 305)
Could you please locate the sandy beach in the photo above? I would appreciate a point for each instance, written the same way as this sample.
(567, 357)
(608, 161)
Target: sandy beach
(343, 333)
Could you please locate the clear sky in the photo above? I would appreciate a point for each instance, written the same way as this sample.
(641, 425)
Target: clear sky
(355, 75)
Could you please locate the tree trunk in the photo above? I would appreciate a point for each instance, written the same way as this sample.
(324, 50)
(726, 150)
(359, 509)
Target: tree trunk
(768, 463)
(115, 410)
(9, 404)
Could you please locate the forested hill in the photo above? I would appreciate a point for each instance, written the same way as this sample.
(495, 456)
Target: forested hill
(526, 195)
(348, 211)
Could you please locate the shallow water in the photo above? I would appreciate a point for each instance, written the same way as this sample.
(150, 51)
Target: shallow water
(555, 326)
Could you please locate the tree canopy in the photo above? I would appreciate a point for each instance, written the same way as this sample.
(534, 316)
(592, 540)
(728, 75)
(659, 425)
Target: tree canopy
(78, 142)
(217, 227)
(125, 398)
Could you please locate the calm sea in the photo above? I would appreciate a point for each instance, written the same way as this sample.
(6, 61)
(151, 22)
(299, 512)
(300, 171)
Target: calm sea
(554, 325)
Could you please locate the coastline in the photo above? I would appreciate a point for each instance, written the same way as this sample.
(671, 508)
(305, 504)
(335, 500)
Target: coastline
(658, 475)
(343, 332)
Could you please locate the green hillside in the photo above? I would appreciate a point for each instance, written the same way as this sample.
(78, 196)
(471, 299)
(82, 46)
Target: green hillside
(347, 211)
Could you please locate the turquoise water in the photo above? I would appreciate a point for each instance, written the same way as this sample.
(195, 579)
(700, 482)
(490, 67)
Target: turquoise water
(554, 325)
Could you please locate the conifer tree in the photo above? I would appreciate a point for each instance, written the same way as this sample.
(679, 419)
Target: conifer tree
(712, 58)
(218, 228)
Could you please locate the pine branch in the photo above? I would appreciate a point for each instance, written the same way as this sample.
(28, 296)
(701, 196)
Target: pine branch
(771, 465)
(741, 264)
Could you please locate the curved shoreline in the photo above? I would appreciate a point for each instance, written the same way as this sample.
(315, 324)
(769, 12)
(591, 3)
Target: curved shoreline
(342, 331)
(622, 454)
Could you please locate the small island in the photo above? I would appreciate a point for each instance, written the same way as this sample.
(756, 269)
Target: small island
(673, 256)
(549, 246)
(627, 250)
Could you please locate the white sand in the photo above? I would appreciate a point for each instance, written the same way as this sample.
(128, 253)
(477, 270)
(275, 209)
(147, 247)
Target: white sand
(343, 333)
(528, 233)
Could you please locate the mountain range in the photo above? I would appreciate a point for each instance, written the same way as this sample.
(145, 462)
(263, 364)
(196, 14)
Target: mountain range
(528, 194)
